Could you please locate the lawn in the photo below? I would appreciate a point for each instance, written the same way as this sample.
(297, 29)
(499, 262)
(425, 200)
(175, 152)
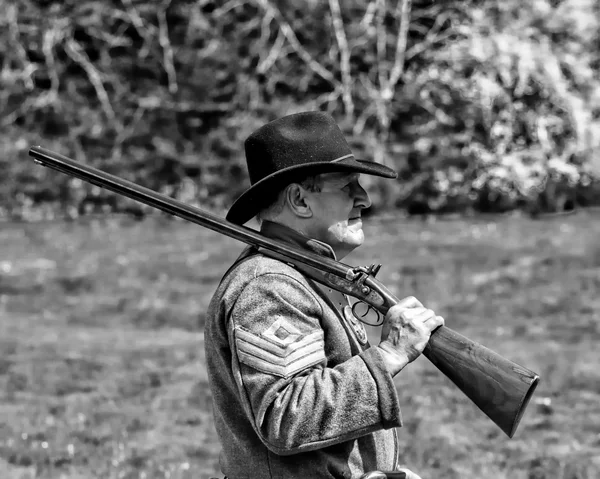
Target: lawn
(102, 362)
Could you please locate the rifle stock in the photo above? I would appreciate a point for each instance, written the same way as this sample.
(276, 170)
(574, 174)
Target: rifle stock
(499, 387)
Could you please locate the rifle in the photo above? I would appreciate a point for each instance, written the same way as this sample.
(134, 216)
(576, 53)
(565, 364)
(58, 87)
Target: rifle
(498, 387)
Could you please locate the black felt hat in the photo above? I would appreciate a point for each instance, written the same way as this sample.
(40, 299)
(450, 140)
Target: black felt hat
(290, 149)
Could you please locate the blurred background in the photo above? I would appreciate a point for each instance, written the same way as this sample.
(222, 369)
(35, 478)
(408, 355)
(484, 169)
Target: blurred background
(481, 105)
(490, 111)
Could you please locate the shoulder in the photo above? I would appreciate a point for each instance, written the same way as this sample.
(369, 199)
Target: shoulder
(263, 268)
(260, 278)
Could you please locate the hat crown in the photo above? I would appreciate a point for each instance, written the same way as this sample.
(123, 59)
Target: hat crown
(294, 140)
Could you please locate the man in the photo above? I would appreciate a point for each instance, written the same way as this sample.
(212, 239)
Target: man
(298, 392)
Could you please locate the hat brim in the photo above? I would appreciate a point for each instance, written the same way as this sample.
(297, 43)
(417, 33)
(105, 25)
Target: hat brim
(259, 195)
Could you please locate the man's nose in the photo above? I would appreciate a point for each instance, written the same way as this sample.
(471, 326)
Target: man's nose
(361, 199)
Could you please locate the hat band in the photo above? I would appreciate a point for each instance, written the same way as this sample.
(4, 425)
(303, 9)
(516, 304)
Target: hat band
(342, 158)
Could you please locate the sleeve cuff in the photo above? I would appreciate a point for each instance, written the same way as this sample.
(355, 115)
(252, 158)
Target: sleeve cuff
(389, 405)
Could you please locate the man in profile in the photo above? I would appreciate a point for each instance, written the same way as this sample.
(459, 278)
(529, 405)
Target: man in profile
(298, 391)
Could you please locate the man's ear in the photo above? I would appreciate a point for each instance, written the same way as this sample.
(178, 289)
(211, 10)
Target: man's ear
(295, 198)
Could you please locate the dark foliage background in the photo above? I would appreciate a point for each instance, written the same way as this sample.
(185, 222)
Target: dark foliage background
(482, 105)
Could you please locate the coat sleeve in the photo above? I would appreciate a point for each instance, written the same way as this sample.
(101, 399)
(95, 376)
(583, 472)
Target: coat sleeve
(296, 402)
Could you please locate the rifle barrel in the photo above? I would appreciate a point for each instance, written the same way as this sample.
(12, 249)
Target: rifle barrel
(182, 210)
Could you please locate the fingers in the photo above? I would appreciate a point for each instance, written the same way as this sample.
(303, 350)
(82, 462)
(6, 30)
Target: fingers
(423, 315)
(418, 315)
(431, 322)
(411, 311)
(410, 302)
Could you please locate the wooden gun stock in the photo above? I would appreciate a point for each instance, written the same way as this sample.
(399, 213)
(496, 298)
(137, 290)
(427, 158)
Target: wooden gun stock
(499, 387)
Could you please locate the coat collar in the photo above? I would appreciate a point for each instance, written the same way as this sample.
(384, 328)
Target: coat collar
(289, 235)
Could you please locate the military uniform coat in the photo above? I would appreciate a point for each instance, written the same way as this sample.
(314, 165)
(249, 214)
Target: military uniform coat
(297, 391)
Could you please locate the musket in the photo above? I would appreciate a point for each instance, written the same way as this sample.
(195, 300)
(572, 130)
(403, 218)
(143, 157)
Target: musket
(499, 387)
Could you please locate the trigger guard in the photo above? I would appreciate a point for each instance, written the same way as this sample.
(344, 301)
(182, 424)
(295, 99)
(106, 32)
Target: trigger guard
(379, 321)
(356, 315)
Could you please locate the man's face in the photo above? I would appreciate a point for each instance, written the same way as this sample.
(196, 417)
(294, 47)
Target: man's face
(336, 211)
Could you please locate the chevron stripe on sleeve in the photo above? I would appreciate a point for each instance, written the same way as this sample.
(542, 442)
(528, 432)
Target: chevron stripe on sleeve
(280, 350)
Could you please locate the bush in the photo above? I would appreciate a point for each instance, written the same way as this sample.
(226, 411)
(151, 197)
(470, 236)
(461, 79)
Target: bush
(479, 106)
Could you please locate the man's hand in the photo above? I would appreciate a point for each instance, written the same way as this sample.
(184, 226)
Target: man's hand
(406, 330)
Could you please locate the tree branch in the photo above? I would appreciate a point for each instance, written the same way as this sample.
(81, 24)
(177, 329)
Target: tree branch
(165, 43)
(10, 118)
(327, 97)
(402, 10)
(379, 106)
(125, 133)
(295, 43)
(367, 18)
(274, 53)
(144, 31)
(342, 41)
(432, 37)
(50, 40)
(13, 26)
(78, 55)
(359, 124)
(265, 30)
(381, 43)
(231, 5)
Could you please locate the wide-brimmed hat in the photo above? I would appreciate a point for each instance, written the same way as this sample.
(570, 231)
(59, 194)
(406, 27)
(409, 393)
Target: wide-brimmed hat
(290, 149)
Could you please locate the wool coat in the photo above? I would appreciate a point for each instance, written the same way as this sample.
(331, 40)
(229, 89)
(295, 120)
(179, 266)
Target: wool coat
(297, 390)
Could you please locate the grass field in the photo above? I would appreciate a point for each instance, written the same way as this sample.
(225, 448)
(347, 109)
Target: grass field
(102, 362)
